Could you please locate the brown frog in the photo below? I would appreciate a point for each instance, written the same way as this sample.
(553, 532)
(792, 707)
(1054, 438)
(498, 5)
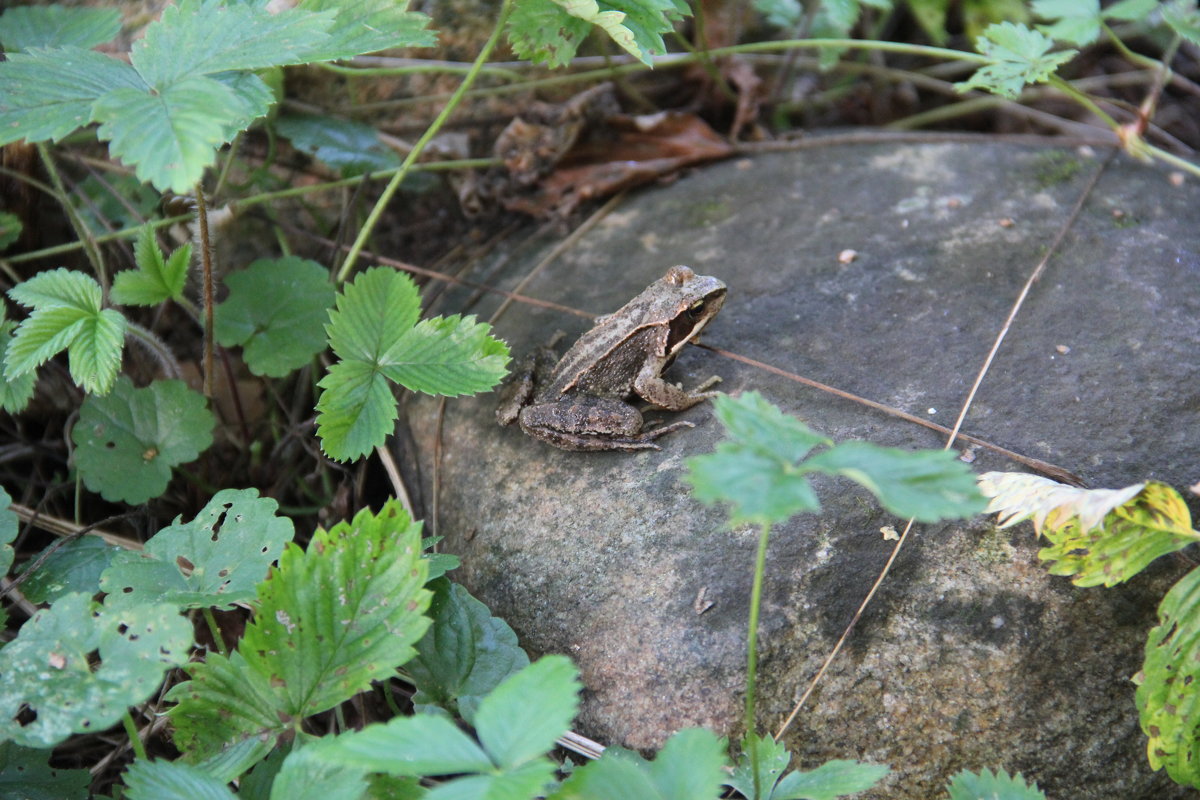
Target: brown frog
(582, 402)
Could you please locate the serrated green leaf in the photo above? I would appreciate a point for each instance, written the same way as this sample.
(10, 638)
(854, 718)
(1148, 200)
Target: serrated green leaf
(754, 470)
(73, 567)
(691, 764)
(201, 37)
(303, 775)
(831, 780)
(48, 93)
(48, 667)
(1184, 18)
(276, 310)
(522, 717)
(1167, 700)
(1075, 22)
(987, 785)
(157, 278)
(1019, 56)
(927, 485)
(25, 774)
(10, 229)
(367, 26)
(128, 441)
(172, 780)
(27, 27)
(67, 314)
(1097, 536)
(544, 33)
(525, 782)
(773, 759)
(549, 31)
(352, 148)
(330, 620)
(417, 745)
(1130, 10)
(465, 653)
(372, 331)
(8, 531)
(15, 393)
(215, 560)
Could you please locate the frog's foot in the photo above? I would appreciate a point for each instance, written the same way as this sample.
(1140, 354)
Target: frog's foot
(708, 384)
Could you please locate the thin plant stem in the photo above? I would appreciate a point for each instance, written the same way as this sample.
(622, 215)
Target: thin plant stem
(1083, 100)
(162, 354)
(135, 741)
(394, 184)
(208, 288)
(214, 630)
(86, 238)
(760, 567)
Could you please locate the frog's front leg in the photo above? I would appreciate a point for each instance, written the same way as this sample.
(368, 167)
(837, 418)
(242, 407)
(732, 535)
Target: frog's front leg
(651, 387)
(522, 383)
(592, 423)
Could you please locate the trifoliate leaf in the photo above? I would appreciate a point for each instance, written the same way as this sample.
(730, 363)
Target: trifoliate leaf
(14, 392)
(128, 441)
(48, 93)
(520, 719)
(831, 780)
(353, 148)
(27, 27)
(276, 310)
(691, 764)
(927, 485)
(1184, 18)
(1019, 56)
(329, 621)
(1166, 698)
(157, 278)
(543, 32)
(215, 560)
(10, 229)
(49, 667)
(372, 331)
(754, 470)
(173, 780)
(549, 31)
(25, 774)
(73, 567)
(987, 785)
(67, 314)
(1097, 536)
(367, 26)
(465, 653)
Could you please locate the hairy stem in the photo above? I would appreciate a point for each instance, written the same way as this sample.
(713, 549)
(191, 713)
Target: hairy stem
(760, 567)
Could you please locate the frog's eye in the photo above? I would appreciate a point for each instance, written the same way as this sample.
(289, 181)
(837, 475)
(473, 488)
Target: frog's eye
(696, 307)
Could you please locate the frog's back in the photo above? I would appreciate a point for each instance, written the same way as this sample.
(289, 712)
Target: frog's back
(604, 363)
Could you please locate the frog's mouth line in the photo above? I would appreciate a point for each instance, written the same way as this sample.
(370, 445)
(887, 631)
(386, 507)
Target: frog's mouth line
(696, 329)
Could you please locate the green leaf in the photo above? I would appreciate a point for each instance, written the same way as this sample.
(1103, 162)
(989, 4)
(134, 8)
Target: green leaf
(172, 780)
(303, 775)
(831, 780)
(780, 13)
(10, 229)
(373, 330)
(549, 31)
(1184, 18)
(931, 16)
(276, 310)
(465, 653)
(1075, 22)
(521, 718)
(25, 774)
(691, 764)
(330, 620)
(157, 278)
(1098, 536)
(215, 560)
(73, 567)
(1131, 10)
(66, 315)
(128, 441)
(351, 147)
(15, 393)
(754, 470)
(1167, 700)
(987, 785)
(367, 26)
(48, 93)
(927, 485)
(49, 667)
(773, 759)
(53, 26)
(418, 745)
(1019, 56)
(8, 531)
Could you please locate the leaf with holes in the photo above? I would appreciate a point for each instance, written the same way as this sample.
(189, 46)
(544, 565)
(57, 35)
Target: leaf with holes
(128, 441)
(73, 567)
(329, 621)
(215, 560)
(49, 667)
(25, 774)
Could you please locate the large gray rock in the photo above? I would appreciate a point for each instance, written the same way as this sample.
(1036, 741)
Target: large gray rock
(971, 655)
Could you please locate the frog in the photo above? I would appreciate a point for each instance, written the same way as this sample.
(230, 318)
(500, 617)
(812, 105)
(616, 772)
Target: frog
(584, 401)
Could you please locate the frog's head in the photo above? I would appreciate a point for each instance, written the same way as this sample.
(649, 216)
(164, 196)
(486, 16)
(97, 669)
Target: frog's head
(696, 299)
